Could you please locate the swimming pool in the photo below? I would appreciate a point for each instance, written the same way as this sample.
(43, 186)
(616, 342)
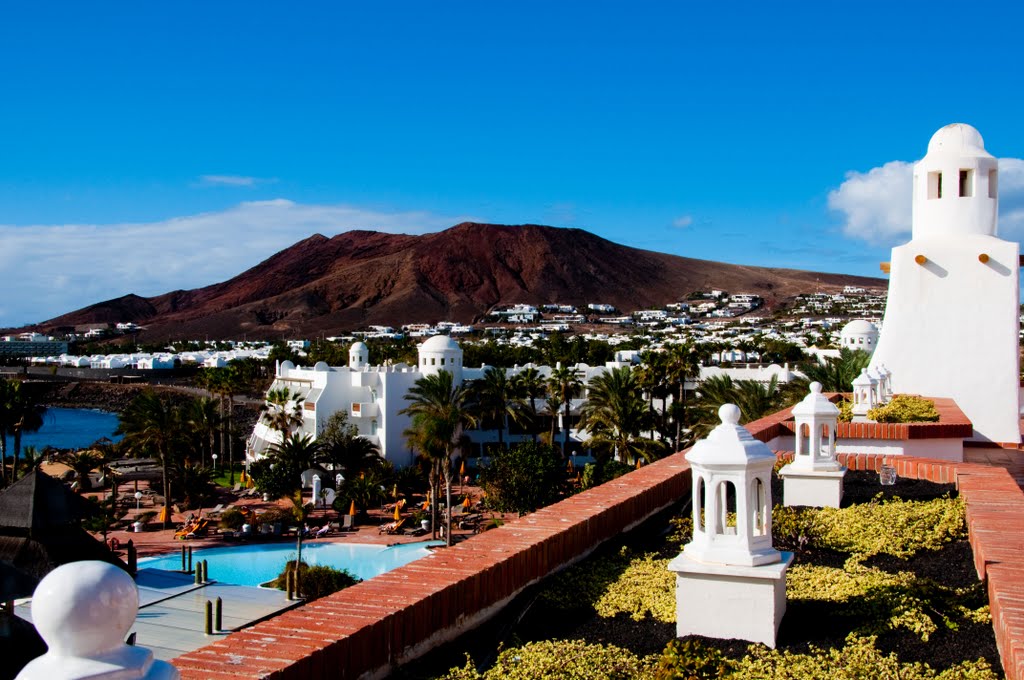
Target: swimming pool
(253, 564)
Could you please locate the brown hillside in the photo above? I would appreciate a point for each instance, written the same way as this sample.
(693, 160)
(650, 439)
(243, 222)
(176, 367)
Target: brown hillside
(329, 285)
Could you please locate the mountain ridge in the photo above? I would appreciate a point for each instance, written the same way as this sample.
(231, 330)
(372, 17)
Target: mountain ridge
(327, 285)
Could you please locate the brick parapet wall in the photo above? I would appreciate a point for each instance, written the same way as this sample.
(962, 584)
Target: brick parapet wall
(366, 630)
(953, 424)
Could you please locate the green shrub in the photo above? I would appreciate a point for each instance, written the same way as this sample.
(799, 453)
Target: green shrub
(232, 519)
(316, 581)
(897, 527)
(522, 478)
(692, 660)
(561, 660)
(905, 408)
(276, 514)
(858, 659)
(619, 583)
(845, 411)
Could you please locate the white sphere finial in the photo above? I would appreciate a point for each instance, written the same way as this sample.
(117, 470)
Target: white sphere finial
(84, 607)
(816, 387)
(730, 414)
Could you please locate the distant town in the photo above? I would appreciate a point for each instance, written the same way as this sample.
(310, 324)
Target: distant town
(729, 321)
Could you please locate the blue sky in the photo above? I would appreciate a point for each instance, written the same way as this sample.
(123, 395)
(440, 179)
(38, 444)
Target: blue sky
(151, 147)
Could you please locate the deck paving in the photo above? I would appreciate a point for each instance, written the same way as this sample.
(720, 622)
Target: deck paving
(172, 610)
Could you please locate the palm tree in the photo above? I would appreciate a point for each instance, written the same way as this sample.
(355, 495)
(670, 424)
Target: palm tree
(342, 448)
(615, 414)
(529, 383)
(283, 410)
(82, 463)
(152, 426)
(203, 417)
(551, 409)
(496, 399)
(226, 382)
(296, 453)
(837, 373)
(564, 384)
(681, 363)
(6, 395)
(440, 414)
(22, 414)
(650, 376)
(757, 399)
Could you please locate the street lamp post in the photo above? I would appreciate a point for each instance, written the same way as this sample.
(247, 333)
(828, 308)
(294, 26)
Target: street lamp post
(214, 461)
(138, 500)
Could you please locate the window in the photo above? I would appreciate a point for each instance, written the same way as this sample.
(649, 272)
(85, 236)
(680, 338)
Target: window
(993, 183)
(934, 185)
(966, 183)
(433, 361)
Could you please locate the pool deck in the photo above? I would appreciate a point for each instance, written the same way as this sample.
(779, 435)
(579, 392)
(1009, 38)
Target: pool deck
(172, 610)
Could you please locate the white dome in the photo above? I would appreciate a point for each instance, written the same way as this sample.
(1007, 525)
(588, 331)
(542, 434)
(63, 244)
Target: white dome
(958, 138)
(359, 347)
(321, 366)
(859, 327)
(287, 365)
(439, 343)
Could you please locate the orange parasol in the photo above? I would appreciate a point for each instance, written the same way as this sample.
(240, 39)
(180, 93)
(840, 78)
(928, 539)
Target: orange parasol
(352, 509)
(242, 479)
(462, 469)
(466, 503)
(394, 491)
(398, 511)
(426, 504)
(639, 461)
(568, 468)
(164, 515)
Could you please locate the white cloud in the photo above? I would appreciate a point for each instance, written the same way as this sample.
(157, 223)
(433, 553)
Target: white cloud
(48, 270)
(876, 205)
(233, 180)
(682, 222)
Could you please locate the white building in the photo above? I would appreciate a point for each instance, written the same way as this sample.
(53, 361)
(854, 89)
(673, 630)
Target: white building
(859, 334)
(951, 321)
(373, 396)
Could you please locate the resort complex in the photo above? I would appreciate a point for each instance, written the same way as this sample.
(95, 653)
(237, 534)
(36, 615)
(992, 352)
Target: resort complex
(857, 513)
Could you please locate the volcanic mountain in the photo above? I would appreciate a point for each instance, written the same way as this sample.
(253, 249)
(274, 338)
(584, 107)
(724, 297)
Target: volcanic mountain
(328, 286)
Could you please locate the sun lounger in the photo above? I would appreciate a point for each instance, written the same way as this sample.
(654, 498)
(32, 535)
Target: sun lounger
(217, 510)
(322, 531)
(346, 523)
(392, 527)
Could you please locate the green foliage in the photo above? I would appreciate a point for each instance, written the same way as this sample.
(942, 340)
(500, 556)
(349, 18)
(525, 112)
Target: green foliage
(837, 374)
(523, 478)
(232, 519)
(905, 408)
(602, 471)
(316, 581)
(845, 411)
(560, 660)
(887, 601)
(858, 659)
(637, 585)
(692, 660)
(897, 527)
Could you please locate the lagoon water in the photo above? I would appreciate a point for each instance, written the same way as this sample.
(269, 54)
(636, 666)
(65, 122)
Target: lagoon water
(70, 428)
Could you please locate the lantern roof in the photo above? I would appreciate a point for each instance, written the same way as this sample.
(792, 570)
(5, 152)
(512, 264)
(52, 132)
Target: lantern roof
(730, 444)
(863, 380)
(815, 404)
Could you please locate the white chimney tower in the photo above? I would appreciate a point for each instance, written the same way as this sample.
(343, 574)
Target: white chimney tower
(952, 317)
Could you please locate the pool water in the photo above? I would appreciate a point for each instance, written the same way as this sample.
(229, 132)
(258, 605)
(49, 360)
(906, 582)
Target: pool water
(251, 565)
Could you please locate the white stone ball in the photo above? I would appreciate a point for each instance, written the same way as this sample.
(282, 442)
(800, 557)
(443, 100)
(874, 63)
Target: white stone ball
(83, 608)
(730, 414)
(816, 387)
